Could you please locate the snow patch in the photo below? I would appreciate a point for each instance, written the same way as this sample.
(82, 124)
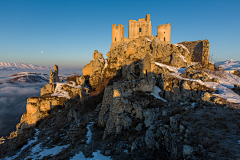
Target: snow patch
(229, 65)
(156, 93)
(168, 67)
(101, 59)
(223, 87)
(182, 46)
(96, 156)
(30, 142)
(183, 58)
(193, 104)
(126, 151)
(39, 153)
(89, 133)
(59, 92)
(105, 66)
(148, 39)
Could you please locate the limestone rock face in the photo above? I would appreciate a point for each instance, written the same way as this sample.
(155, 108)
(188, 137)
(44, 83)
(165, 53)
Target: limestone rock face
(192, 74)
(178, 60)
(54, 75)
(122, 103)
(37, 108)
(82, 91)
(136, 58)
(94, 69)
(97, 55)
(179, 90)
(87, 70)
(48, 89)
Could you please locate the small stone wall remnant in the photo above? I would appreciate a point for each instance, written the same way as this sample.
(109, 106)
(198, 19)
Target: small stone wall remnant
(199, 51)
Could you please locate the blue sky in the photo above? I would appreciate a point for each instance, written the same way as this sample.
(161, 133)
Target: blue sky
(68, 31)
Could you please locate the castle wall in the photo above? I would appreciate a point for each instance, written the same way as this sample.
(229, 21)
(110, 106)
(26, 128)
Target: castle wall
(164, 33)
(139, 28)
(117, 33)
(199, 51)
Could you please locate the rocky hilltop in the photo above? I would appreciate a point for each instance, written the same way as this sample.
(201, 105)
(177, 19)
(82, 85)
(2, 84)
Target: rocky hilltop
(147, 100)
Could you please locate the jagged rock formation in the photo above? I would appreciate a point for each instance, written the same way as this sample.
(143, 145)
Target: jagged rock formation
(136, 59)
(54, 75)
(52, 94)
(50, 87)
(122, 100)
(37, 108)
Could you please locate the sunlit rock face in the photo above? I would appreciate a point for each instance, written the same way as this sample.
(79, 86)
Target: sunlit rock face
(136, 57)
(37, 108)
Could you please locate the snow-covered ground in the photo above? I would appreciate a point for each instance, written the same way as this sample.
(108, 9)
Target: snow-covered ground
(38, 152)
(226, 79)
(229, 65)
(89, 133)
(96, 156)
(156, 92)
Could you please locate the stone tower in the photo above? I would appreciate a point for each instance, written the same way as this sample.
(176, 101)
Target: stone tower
(117, 33)
(164, 33)
(139, 28)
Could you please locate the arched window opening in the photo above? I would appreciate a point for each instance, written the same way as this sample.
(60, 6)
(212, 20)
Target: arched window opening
(115, 39)
(164, 38)
(140, 29)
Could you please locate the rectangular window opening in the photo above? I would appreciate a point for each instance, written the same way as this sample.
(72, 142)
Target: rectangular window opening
(140, 29)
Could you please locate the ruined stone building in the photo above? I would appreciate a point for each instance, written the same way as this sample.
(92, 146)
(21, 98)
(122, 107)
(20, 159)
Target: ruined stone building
(199, 50)
(140, 28)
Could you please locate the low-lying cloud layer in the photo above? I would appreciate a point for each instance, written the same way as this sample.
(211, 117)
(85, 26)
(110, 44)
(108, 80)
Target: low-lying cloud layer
(13, 100)
(13, 96)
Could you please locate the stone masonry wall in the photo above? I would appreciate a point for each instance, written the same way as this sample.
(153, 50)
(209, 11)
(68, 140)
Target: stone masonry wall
(199, 51)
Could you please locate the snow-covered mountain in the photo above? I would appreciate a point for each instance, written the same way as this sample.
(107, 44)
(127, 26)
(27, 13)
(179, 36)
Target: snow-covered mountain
(29, 77)
(16, 66)
(229, 65)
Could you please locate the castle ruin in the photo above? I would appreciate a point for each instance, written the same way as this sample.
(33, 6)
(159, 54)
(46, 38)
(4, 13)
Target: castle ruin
(199, 50)
(140, 28)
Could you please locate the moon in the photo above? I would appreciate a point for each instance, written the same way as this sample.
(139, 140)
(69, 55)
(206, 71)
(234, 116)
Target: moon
(41, 51)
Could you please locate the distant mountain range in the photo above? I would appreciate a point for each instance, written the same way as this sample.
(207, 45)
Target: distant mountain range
(229, 65)
(16, 66)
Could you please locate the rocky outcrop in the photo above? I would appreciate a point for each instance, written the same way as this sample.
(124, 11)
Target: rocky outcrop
(94, 69)
(54, 75)
(36, 109)
(123, 102)
(193, 73)
(136, 59)
(48, 89)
